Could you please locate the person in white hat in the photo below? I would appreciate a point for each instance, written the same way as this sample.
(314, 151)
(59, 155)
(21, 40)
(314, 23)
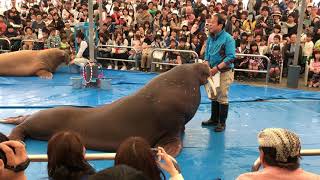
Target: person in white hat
(280, 157)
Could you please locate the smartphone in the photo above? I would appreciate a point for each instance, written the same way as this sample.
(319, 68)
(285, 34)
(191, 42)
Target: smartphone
(154, 152)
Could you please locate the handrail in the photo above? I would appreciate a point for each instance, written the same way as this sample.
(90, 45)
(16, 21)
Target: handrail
(30, 40)
(101, 47)
(9, 44)
(258, 71)
(304, 152)
(90, 156)
(169, 50)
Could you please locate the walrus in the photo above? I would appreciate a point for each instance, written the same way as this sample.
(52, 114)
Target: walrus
(40, 63)
(157, 112)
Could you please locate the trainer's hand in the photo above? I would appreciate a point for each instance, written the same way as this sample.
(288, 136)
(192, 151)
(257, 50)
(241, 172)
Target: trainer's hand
(213, 71)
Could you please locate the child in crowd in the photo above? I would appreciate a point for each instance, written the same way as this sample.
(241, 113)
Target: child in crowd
(276, 31)
(195, 44)
(54, 39)
(69, 30)
(255, 63)
(45, 37)
(263, 48)
(315, 69)
(137, 52)
(185, 31)
(241, 62)
(64, 45)
(276, 42)
(307, 49)
(172, 56)
(137, 43)
(276, 61)
(183, 57)
(104, 52)
(28, 39)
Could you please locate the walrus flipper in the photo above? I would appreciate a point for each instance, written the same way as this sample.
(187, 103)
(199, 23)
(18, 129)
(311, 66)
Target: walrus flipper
(44, 74)
(14, 120)
(172, 146)
(18, 133)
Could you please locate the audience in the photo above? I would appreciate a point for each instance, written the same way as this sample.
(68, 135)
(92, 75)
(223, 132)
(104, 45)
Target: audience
(280, 157)
(315, 69)
(136, 152)
(66, 160)
(266, 23)
(259, 27)
(119, 172)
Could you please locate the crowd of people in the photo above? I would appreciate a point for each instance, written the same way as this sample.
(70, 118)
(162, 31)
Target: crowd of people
(262, 27)
(136, 160)
(211, 29)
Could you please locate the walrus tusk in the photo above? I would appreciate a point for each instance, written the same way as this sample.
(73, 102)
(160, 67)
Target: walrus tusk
(212, 85)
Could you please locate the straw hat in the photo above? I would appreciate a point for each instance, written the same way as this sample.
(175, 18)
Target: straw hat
(277, 13)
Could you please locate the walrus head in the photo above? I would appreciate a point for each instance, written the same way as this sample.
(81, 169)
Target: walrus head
(67, 57)
(204, 72)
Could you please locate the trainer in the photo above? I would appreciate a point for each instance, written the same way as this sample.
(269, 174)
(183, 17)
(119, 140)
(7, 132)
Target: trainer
(219, 54)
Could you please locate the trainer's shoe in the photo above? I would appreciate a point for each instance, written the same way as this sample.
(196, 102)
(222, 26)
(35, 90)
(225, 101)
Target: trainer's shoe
(209, 122)
(220, 127)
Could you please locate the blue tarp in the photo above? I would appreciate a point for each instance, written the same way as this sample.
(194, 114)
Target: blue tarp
(206, 154)
(36, 92)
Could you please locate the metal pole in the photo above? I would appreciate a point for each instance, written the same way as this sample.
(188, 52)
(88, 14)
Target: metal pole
(100, 13)
(294, 70)
(91, 32)
(299, 32)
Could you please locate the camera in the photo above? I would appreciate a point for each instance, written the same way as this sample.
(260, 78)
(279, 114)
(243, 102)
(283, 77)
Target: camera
(18, 168)
(3, 156)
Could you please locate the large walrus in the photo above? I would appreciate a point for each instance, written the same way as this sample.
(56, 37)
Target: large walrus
(40, 63)
(157, 112)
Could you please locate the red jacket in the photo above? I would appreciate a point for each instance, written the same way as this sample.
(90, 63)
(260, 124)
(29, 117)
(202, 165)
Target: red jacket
(3, 27)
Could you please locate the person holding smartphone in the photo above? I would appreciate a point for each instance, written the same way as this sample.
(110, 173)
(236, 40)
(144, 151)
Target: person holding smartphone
(137, 153)
(13, 160)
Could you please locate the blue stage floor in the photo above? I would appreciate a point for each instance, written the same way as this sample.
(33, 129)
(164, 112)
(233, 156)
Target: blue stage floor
(206, 154)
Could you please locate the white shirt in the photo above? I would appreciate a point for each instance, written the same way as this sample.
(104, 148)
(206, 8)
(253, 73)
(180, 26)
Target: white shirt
(308, 48)
(82, 48)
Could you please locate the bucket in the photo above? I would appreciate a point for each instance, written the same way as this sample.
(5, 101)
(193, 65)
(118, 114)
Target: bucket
(76, 82)
(105, 84)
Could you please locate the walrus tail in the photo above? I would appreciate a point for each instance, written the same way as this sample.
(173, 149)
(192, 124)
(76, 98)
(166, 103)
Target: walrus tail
(14, 120)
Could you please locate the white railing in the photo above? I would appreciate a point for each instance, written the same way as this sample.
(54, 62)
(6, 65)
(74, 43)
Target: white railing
(30, 40)
(303, 152)
(90, 156)
(104, 47)
(153, 63)
(267, 71)
(8, 43)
